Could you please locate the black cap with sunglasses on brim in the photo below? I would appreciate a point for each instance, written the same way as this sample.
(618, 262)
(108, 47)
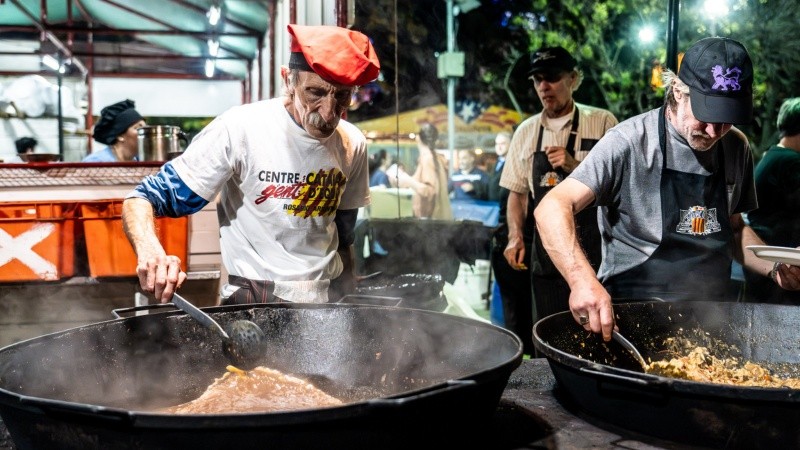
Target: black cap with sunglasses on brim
(551, 61)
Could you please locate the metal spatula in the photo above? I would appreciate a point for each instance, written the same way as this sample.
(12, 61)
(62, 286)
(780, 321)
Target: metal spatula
(243, 343)
(629, 347)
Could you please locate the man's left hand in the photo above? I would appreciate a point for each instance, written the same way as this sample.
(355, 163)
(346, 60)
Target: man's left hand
(788, 277)
(559, 157)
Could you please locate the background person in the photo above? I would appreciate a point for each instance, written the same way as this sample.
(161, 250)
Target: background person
(378, 163)
(672, 184)
(512, 287)
(25, 146)
(495, 192)
(430, 198)
(117, 128)
(545, 149)
(291, 176)
(777, 219)
(468, 182)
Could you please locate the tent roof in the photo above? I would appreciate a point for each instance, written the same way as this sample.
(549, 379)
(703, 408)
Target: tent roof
(125, 37)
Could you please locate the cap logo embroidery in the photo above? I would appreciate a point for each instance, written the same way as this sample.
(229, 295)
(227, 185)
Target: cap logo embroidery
(543, 56)
(727, 80)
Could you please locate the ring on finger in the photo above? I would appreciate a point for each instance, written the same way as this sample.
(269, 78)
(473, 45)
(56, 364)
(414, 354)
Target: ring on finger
(583, 320)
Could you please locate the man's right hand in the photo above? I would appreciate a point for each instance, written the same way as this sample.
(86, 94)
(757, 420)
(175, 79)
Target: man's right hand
(160, 275)
(591, 307)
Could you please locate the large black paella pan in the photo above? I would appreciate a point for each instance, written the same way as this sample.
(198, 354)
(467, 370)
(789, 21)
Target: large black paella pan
(411, 377)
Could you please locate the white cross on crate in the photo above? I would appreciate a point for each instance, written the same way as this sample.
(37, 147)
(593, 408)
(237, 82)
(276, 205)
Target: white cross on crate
(21, 248)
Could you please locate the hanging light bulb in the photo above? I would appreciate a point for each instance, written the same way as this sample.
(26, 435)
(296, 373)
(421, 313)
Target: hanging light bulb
(214, 14)
(213, 47)
(209, 68)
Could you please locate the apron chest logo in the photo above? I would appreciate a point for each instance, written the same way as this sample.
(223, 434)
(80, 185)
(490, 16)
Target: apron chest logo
(698, 221)
(549, 179)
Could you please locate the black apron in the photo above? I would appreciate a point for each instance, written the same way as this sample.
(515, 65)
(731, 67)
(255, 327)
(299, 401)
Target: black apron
(693, 260)
(545, 178)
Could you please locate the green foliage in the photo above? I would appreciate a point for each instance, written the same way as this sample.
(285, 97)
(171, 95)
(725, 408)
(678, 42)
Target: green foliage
(602, 34)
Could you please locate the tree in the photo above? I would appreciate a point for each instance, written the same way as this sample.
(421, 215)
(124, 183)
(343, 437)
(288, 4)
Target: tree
(775, 60)
(498, 37)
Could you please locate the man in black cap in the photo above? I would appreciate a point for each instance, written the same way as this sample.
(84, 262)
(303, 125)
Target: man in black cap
(671, 185)
(545, 149)
(117, 128)
(290, 174)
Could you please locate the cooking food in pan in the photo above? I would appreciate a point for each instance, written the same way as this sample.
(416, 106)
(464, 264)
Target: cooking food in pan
(258, 390)
(701, 365)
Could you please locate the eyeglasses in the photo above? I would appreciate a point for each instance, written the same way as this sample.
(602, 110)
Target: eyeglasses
(549, 77)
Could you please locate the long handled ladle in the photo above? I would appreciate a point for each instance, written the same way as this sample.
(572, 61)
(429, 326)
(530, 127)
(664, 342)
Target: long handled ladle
(629, 347)
(243, 343)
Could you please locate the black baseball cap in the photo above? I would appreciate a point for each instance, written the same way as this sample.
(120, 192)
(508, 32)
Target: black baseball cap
(551, 59)
(719, 74)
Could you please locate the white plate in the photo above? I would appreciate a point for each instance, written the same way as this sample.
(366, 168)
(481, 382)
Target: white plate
(786, 255)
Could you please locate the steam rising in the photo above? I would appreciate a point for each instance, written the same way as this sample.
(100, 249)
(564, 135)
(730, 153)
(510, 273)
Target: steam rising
(360, 352)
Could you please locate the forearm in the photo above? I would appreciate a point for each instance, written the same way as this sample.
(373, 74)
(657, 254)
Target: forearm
(516, 208)
(743, 237)
(139, 225)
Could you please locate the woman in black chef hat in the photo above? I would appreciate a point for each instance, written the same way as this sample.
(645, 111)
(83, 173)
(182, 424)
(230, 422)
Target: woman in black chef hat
(117, 128)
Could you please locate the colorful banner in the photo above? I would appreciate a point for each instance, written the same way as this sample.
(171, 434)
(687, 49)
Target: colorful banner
(491, 120)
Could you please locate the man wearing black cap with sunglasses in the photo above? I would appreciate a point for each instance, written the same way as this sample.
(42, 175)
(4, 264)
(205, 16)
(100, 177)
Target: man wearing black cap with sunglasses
(671, 185)
(545, 149)
(290, 174)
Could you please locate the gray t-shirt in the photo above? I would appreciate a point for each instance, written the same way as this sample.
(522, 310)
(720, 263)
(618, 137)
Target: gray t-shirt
(624, 172)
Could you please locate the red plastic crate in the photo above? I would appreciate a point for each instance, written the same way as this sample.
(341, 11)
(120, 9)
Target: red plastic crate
(108, 250)
(37, 241)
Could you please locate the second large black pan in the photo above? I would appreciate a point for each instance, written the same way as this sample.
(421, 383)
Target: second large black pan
(603, 382)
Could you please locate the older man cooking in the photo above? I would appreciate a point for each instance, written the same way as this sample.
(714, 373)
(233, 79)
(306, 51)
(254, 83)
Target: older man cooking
(291, 174)
(671, 185)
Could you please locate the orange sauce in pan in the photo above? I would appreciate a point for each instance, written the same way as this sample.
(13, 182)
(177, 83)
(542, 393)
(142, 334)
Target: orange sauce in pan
(257, 390)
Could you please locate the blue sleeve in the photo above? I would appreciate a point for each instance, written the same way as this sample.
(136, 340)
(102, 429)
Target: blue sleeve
(168, 194)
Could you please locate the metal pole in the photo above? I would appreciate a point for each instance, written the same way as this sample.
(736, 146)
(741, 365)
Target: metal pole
(60, 109)
(451, 91)
(673, 11)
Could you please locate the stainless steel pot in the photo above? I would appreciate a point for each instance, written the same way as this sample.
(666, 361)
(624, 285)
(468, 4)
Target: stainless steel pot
(160, 142)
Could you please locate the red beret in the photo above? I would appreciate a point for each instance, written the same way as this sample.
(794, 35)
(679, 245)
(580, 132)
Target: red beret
(336, 54)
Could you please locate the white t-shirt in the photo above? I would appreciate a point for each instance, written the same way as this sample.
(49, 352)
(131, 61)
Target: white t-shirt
(280, 189)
